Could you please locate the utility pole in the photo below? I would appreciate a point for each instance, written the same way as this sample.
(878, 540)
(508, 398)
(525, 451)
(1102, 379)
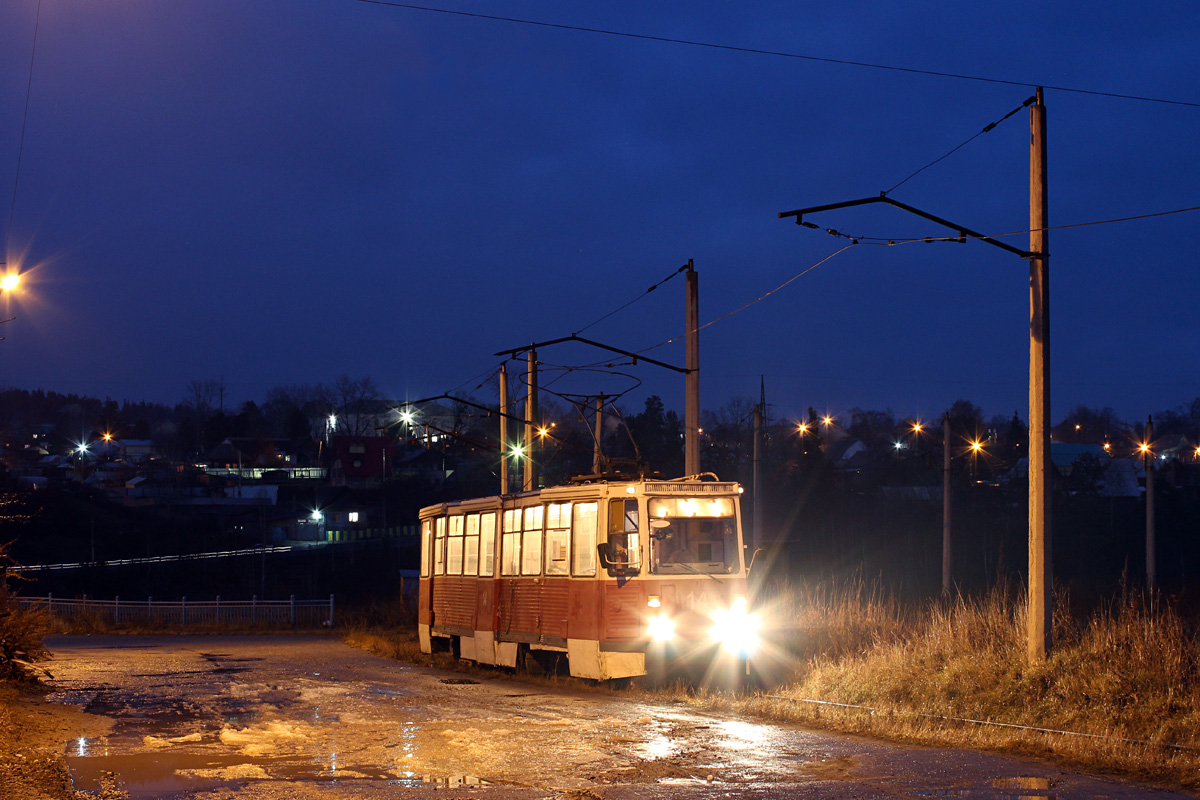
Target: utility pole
(691, 402)
(503, 429)
(1148, 460)
(598, 453)
(756, 534)
(531, 476)
(1041, 606)
(947, 560)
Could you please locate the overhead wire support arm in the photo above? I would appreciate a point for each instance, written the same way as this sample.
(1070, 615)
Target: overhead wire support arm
(963, 232)
(537, 345)
(504, 414)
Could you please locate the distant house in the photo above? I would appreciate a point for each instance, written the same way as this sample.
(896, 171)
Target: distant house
(362, 461)
(848, 453)
(1066, 455)
(1123, 477)
(137, 450)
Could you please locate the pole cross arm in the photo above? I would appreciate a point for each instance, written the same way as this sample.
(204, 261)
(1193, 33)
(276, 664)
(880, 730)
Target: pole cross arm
(573, 338)
(963, 231)
(470, 403)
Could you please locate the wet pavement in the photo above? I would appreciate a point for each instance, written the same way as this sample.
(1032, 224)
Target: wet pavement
(250, 717)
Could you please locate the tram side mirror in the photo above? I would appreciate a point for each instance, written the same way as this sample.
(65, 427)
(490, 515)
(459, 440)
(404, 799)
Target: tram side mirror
(614, 560)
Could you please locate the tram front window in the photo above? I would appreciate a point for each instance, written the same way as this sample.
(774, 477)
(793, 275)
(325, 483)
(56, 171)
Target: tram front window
(694, 544)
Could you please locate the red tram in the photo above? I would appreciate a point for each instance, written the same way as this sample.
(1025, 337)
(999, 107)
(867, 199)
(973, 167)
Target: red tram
(604, 573)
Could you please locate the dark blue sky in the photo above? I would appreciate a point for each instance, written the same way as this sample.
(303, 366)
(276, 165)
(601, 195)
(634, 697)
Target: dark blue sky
(279, 192)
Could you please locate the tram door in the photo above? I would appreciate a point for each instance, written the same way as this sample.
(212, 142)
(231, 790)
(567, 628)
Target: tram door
(556, 581)
(437, 566)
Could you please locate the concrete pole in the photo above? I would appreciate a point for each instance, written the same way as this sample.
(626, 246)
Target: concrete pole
(531, 476)
(946, 550)
(503, 429)
(1041, 606)
(691, 404)
(756, 532)
(1151, 549)
(598, 453)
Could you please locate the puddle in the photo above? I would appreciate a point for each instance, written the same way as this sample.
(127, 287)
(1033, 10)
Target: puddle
(146, 776)
(459, 682)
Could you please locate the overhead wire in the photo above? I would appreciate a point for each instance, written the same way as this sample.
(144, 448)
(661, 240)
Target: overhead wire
(755, 301)
(986, 129)
(631, 302)
(776, 53)
(959, 237)
(12, 208)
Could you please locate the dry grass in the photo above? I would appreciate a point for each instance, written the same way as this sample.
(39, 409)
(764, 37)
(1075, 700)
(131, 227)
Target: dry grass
(1124, 683)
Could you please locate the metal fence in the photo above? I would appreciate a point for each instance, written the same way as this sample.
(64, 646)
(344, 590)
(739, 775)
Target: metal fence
(225, 613)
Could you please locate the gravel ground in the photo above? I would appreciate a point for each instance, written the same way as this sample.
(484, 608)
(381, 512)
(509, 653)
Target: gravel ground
(309, 718)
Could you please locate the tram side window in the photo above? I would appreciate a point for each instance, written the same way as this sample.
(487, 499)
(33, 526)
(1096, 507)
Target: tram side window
(583, 532)
(558, 538)
(510, 543)
(487, 543)
(624, 546)
(531, 543)
(439, 546)
(471, 546)
(426, 546)
(454, 547)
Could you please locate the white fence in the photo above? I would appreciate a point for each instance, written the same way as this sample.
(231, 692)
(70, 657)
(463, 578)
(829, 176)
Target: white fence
(218, 612)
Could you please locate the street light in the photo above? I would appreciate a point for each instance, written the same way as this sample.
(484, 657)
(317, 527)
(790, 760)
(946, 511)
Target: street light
(10, 281)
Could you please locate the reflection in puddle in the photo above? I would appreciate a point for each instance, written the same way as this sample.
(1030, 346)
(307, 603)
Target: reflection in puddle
(659, 745)
(742, 735)
(153, 775)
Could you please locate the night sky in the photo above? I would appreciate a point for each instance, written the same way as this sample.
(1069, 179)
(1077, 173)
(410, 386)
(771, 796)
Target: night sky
(284, 191)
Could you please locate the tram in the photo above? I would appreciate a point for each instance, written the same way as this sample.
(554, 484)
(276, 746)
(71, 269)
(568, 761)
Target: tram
(610, 574)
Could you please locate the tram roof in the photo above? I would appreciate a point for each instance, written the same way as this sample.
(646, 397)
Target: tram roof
(589, 490)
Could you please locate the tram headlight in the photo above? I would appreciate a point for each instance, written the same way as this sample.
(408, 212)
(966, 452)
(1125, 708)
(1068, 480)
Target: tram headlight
(736, 629)
(661, 629)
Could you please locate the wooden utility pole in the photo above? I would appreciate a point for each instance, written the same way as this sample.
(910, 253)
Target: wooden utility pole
(1040, 626)
(531, 475)
(946, 551)
(691, 401)
(1148, 460)
(503, 429)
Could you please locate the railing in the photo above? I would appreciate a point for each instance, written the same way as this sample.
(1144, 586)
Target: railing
(184, 612)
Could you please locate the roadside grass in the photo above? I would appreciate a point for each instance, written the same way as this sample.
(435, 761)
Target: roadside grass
(1120, 692)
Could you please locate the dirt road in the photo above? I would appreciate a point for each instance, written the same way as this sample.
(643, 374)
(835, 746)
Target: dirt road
(253, 717)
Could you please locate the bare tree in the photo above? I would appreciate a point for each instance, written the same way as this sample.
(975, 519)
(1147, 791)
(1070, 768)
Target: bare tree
(202, 395)
(360, 405)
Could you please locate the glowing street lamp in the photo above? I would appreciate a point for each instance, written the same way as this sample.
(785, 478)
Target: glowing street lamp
(10, 282)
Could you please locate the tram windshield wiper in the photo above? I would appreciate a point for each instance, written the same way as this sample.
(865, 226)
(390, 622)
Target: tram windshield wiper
(695, 571)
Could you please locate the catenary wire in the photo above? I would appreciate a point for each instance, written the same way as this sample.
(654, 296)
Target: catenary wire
(631, 302)
(911, 240)
(986, 128)
(857, 240)
(777, 53)
(759, 299)
(12, 209)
